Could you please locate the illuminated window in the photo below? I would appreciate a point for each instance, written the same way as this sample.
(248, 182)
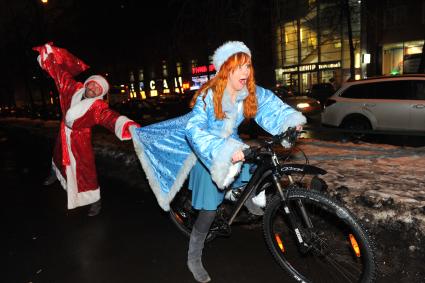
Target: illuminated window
(193, 63)
(141, 75)
(392, 59)
(179, 68)
(291, 44)
(164, 69)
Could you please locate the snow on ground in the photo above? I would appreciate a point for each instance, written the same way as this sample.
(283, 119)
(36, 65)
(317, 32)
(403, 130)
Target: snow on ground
(379, 182)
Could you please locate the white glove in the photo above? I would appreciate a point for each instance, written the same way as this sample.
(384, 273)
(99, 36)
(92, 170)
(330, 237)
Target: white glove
(39, 61)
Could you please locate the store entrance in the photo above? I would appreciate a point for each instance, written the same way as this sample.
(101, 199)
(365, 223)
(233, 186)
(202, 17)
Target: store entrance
(307, 80)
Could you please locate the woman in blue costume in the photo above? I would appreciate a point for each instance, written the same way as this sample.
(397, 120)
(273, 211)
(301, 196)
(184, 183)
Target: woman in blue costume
(204, 143)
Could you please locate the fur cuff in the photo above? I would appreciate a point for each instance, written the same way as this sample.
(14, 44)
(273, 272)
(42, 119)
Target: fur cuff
(223, 171)
(119, 127)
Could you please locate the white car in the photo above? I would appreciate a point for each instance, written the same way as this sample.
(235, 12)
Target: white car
(394, 103)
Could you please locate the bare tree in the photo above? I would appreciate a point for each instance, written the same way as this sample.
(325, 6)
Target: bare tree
(346, 9)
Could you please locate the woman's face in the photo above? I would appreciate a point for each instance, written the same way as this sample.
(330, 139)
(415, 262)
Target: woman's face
(93, 89)
(238, 78)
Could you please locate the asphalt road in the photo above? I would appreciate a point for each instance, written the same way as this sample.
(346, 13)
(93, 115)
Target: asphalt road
(132, 240)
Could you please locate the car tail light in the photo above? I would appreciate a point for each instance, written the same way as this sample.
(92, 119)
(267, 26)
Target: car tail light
(329, 102)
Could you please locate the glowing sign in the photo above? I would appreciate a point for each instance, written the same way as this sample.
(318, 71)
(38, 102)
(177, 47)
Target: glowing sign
(202, 69)
(307, 68)
(289, 70)
(366, 58)
(310, 67)
(152, 84)
(330, 65)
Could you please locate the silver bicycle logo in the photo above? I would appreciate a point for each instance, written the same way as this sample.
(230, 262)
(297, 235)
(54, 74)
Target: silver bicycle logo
(290, 168)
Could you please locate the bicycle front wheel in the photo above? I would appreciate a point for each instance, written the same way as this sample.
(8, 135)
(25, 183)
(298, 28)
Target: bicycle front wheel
(335, 249)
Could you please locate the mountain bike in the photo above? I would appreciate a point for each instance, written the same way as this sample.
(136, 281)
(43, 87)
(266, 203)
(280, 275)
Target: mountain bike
(310, 235)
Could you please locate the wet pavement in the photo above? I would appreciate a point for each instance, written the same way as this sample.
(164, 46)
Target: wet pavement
(132, 240)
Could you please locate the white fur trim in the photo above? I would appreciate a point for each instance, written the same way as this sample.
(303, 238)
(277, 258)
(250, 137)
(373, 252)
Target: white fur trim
(119, 125)
(78, 107)
(230, 121)
(223, 171)
(163, 199)
(100, 81)
(292, 120)
(77, 96)
(59, 175)
(226, 50)
(76, 199)
(39, 62)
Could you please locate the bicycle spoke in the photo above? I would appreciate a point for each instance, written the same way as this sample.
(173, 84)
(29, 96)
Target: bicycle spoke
(326, 255)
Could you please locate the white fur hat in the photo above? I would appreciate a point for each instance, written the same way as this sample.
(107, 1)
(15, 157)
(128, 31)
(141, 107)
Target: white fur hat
(99, 80)
(229, 48)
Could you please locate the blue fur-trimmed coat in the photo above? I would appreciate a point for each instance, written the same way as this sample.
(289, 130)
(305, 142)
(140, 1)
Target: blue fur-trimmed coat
(168, 150)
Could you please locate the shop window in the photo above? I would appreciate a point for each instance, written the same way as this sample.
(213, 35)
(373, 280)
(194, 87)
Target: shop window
(308, 38)
(392, 59)
(291, 44)
(179, 68)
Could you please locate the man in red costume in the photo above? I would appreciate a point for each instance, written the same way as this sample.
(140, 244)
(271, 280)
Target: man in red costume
(82, 108)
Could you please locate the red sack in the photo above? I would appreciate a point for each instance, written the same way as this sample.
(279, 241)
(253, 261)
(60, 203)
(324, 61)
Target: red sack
(62, 57)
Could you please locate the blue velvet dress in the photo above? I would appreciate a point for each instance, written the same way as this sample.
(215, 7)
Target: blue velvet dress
(169, 150)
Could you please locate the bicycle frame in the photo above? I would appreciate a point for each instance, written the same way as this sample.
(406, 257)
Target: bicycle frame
(269, 166)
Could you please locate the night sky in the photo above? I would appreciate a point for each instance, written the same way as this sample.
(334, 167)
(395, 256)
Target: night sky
(96, 30)
(118, 36)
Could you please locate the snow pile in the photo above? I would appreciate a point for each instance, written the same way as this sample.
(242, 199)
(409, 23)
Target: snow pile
(379, 183)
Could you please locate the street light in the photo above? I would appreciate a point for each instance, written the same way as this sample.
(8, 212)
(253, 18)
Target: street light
(44, 1)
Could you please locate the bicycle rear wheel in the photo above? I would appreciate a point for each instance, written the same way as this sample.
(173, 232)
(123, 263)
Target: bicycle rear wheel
(183, 215)
(336, 249)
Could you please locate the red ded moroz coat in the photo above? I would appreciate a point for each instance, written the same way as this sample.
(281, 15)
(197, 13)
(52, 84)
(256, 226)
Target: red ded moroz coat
(73, 158)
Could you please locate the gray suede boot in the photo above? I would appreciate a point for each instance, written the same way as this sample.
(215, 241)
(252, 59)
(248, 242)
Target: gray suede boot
(95, 208)
(50, 179)
(194, 256)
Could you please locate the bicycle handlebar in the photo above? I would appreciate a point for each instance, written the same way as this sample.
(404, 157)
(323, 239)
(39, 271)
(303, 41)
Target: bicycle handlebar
(289, 137)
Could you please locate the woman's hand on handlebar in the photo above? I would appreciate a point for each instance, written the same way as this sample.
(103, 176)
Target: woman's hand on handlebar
(238, 156)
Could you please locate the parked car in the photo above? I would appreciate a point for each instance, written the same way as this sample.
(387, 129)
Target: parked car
(145, 111)
(321, 92)
(394, 103)
(307, 105)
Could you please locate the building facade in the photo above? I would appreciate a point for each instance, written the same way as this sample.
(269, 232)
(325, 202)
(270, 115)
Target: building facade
(393, 34)
(312, 42)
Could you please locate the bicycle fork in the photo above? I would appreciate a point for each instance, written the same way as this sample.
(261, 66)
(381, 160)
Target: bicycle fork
(294, 224)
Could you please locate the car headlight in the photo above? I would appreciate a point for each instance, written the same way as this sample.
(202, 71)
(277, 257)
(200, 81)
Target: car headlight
(302, 105)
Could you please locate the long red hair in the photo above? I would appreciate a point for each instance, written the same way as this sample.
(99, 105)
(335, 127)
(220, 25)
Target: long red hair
(219, 83)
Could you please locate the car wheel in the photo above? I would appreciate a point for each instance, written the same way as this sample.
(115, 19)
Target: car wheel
(355, 125)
